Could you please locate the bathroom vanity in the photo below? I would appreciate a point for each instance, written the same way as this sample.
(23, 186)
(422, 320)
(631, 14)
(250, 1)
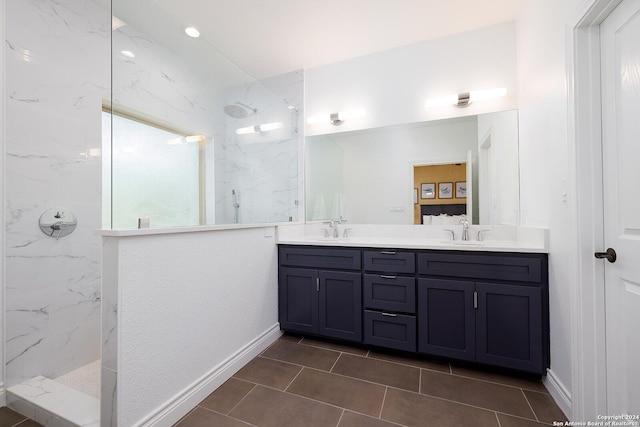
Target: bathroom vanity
(484, 302)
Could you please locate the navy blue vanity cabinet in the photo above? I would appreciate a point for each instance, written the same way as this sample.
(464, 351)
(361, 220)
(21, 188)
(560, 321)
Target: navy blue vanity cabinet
(389, 293)
(447, 318)
(298, 299)
(509, 326)
(485, 307)
(320, 291)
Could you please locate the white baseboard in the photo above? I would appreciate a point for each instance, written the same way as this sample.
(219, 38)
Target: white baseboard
(180, 405)
(559, 393)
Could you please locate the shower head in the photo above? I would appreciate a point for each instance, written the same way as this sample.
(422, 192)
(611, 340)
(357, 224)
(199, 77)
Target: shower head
(238, 110)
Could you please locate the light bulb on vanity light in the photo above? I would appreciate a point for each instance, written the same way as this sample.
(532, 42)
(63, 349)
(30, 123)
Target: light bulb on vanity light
(336, 118)
(266, 127)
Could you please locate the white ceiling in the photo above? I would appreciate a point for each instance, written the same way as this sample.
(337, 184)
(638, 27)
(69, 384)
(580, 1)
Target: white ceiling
(271, 37)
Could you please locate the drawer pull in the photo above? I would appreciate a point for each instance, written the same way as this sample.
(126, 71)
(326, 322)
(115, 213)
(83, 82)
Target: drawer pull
(389, 314)
(388, 253)
(388, 277)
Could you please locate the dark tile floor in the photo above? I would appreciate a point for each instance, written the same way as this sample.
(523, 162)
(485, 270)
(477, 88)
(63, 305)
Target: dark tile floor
(10, 418)
(309, 383)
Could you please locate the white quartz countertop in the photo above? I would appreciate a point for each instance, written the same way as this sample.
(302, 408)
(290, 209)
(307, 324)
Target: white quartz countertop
(497, 238)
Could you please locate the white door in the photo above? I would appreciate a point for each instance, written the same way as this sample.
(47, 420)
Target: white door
(620, 39)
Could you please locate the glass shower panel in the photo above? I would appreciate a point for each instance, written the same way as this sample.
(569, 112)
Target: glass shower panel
(247, 162)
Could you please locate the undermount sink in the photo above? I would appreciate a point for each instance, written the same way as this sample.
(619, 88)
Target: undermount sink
(463, 242)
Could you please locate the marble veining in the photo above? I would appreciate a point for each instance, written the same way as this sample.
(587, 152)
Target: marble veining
(262, 168)
(57, 75)
(42, 398)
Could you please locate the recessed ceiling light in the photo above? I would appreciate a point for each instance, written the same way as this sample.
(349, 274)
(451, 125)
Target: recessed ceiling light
(192, 32)
(128, 53)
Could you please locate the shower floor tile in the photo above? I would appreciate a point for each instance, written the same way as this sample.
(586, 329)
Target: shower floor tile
(66, 403)
(85, 379)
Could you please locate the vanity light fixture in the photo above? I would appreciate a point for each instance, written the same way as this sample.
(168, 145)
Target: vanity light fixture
(192, 32)
(463, 99)
(266, 127)
(336, 118)
(128, 53)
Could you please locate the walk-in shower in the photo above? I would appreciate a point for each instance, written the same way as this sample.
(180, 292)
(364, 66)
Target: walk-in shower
(53, 164)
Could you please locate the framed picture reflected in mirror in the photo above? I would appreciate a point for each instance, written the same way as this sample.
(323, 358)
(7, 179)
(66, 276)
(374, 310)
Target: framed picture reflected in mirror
(445, 190)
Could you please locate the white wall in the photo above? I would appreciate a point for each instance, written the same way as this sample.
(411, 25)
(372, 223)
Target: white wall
(499, 195)
(545, 165)
(393, 85)
(57, 73)
(186, 304)
(378, 165)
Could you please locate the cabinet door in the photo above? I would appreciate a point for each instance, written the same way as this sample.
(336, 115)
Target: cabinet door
(446, 318)
(509, 326)
(298, 300)
(340, 305)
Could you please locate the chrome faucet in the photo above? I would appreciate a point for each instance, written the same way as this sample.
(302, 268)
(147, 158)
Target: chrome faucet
(465, 229)
(334, 225)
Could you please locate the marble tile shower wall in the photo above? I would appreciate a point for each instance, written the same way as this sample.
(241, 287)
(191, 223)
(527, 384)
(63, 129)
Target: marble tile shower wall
(57, 73)
(263, 169)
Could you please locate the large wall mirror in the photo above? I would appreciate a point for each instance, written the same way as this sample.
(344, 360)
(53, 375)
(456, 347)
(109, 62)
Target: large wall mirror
(376, 176)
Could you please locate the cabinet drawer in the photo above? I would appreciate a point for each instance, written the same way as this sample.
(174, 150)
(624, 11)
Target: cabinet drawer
(390, 330)
(389, 261)
(393, 293)
(496, 267)
(300, 256)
